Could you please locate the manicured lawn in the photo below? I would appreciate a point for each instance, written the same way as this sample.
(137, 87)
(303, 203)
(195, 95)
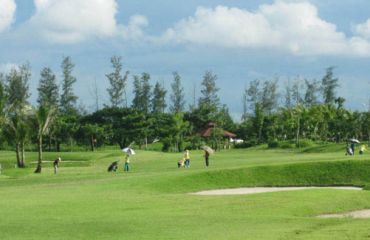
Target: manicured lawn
(83, 201)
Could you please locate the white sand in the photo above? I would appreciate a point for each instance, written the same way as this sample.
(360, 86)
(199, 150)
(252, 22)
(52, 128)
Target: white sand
(355, 214)
(242, 191)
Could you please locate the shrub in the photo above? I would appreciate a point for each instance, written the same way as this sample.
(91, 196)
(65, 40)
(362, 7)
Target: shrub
(306, 143)
(287, 145)
(273, 144)
(246, 144)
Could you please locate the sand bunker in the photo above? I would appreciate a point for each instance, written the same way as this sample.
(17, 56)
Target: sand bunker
(355, 214)
(242, 191)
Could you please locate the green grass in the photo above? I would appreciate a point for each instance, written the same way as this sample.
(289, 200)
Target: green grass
(83, 201)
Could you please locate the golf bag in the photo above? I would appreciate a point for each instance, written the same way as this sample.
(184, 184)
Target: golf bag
(349, 151)
(113, 166)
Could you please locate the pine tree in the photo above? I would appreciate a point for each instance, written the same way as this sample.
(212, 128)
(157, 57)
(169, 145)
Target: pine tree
(288, 95)
(68, 98)
(209, 98)
(146, 92)
(48, 89)
(245, 105)
(158, 100)
(17, 87)
(297, 92)
(177, 96)
(328, 86)
(253, 94)
(136, 102)
(269, 96)
(312, 89)
(142, 93)
(117, 83)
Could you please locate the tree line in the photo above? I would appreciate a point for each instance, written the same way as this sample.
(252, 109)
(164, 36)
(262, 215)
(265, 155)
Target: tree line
(310, 110)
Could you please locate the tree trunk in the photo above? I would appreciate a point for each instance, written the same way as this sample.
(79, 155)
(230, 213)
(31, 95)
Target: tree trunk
(57, 143)
(49, 143)
(92, 143)
(23, 156)
(17, 149)
(297, 132)
(71, 144)
(39, 161)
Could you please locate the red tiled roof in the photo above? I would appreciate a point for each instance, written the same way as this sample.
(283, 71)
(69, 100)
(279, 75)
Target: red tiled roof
(208, 131)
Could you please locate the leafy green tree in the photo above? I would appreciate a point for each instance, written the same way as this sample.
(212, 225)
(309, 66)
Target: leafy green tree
(177, 96)
(170, 129)
(159, 99)
(117, 89)
(16, 129)
(64, 129)
(68, 99)
(48, 89)
(224, 119)
(329, 84)
(340, 102)
(122, 126)
(93, 133)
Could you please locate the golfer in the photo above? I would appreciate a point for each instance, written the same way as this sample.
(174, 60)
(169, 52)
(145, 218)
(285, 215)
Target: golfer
(127, 163)
(353, 148)
(206, 157)
(362, 149)
(56, 164)
(187, 158)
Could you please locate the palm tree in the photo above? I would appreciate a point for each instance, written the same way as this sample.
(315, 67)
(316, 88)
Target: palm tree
(44, 118)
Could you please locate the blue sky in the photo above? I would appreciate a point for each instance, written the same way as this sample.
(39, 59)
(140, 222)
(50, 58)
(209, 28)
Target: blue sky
(238, 40)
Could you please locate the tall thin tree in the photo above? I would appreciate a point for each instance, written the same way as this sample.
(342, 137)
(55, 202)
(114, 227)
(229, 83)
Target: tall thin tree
(48, 89)
(328, 86)
(177, 96)
(159, 99)
(312, 91)
(117, 82)
(68, 98)
(209, 98)
(142, 93)
(17, 94)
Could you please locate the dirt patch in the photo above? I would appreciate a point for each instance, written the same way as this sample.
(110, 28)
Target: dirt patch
(355, 214)
(242, 191)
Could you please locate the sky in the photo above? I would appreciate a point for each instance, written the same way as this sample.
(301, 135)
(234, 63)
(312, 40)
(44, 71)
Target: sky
(238, 40)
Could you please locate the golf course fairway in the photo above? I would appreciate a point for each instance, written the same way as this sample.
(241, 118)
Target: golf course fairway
(152, 201)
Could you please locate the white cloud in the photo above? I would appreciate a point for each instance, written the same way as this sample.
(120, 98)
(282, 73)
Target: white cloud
(7, 12)
(284, 25)
(71, 21)
(74, 21)
(134, 29)
(363, 29)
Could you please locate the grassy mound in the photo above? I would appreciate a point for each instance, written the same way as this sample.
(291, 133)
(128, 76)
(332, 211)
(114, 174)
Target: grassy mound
(340, 173)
